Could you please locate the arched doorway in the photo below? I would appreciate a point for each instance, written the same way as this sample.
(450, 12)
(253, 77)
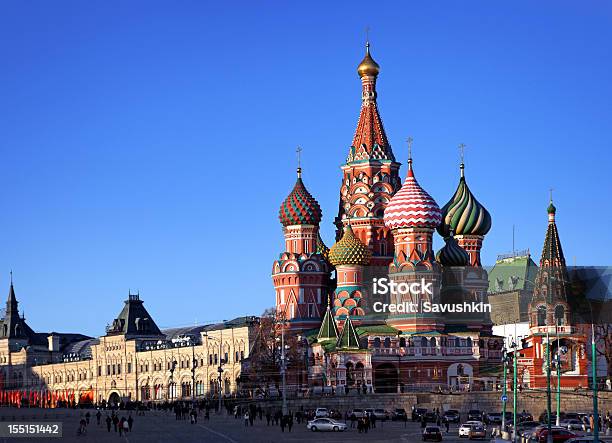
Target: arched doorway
(385, 378)
(114, 399)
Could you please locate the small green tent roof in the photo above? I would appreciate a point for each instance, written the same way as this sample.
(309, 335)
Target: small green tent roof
(349, 338)
(328, 330)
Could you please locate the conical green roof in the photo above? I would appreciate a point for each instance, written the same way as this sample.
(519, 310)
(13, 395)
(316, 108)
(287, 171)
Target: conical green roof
(329, 330)
(349, 338)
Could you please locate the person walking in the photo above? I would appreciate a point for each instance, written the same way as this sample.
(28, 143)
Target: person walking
(98, 417)
(268, 417)
(282, 423)
(115, 421)
(121, 426)
(290, 422)
(87, 417)
(109, 421)
(246, 418)
(130, 422)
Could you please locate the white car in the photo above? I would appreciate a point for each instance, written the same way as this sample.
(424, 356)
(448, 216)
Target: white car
(321, 413)
(464, 429)
(572, 424)
(325, 424)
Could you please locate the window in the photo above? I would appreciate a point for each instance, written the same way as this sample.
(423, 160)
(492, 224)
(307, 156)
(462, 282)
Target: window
(129, 368)
(319, 295)
(225, 358)
(301, 296)
(541, 315)
(237, 356)
(241, 355)
(560, 315)
(282, 296)
(311, 310)
(99, 371)
(210, 359)
(108, 369)
(119, 368)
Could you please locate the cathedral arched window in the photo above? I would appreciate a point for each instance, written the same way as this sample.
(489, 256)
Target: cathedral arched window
(387, 342)
(560, 315)
(377, 342)
(541, 316)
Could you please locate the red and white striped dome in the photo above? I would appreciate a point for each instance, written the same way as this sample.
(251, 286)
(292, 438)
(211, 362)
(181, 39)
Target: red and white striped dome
(412, 206)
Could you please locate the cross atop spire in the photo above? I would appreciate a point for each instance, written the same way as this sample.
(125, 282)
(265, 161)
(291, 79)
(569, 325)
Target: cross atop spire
(551, 194)
(299, 161)
(409, 140)
(462, 155)
(367, 31)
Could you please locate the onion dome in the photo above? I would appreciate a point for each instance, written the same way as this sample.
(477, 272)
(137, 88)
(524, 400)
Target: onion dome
(412, 206)
(300, 207)
(452, 254)
(551, 208)
(349, 250)
(368, 67)
(322, 249)
(464, 214)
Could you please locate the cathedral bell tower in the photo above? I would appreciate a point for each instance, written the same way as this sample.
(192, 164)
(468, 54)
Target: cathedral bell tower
(301, 275)
(370, 174)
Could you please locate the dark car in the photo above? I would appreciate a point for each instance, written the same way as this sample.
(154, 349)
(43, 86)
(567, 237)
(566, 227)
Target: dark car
(474, 415)
(432, 433)
(399, 414)
(417, 413)
(430, 417)
(524, 416)
(452, 416)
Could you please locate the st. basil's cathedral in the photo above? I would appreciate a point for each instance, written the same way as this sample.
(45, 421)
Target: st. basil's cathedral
(385, 229)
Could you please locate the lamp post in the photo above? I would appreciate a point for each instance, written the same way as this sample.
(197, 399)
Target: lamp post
(514, 378)
(505, 390)
(548, 394)
(219, 368)
(594, 371)
(283, 367)
(558, 368)
(193, 371)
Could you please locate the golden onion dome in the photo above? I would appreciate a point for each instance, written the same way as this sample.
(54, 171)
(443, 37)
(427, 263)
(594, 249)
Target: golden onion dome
(368, 67)
(349, 250)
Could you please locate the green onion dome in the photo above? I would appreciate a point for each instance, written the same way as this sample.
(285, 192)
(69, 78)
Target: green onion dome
(464, 214)
(322, 249)
(349, 250)
(300, 208)
(551, 208)
(452, 254)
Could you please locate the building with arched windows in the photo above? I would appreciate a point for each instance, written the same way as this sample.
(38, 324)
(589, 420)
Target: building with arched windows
(133, 361)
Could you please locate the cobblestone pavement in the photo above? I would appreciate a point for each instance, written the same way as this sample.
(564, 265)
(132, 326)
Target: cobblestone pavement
(157, 426)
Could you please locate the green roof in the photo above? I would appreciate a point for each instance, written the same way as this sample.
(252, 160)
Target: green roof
(376, 329)
(513, 274)
(349, 338)
(328, 330)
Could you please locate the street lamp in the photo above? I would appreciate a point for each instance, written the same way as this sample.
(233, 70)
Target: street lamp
(283, 366)
(219, 369)
(506, 360)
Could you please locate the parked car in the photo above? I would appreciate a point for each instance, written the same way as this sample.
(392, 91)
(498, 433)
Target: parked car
(399, 414)
(477, 431)
(452, 416)
(357, 412)
(325, 424)
(493, 418)
(381, 414)
(474, 414)
(432, 433)
(321, 413)
(559, 435)
(417, 413)
(464, 429)
(573, 424)
(524, 416)
(430, 417)
(588, 439)
(526, 428)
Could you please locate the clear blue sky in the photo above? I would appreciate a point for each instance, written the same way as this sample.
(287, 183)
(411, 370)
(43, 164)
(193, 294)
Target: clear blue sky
(148, 145)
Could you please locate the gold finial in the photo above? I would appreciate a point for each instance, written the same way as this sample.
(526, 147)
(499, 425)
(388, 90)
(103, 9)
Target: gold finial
(299, 161)
(462, 154)
(368, 67)
(409, 140)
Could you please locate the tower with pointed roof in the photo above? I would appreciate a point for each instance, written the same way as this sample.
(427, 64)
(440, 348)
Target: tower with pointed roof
(413, 215)
(370, 174)
(550, 319)
(301, 274)
(13, 326)
(349, 256)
